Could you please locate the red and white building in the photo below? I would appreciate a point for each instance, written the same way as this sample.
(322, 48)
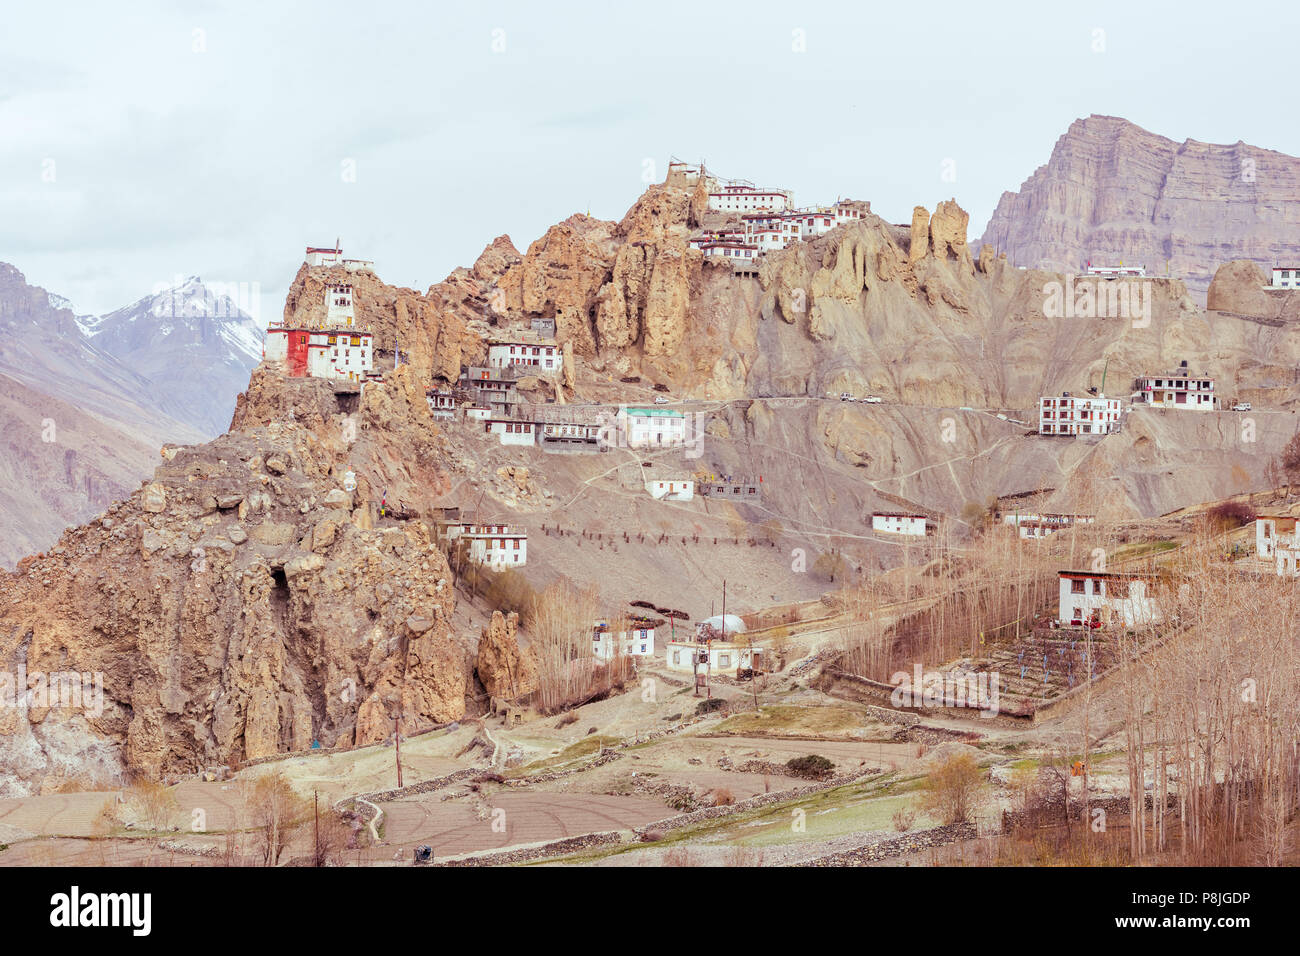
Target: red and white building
(1177, 389)
(334, 349)
(1078, 415)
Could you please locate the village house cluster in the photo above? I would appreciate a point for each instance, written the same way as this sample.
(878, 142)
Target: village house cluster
(760, 219)
(1095, 414)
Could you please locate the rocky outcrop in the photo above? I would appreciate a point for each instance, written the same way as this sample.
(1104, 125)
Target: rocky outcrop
(243, 602)
(948, 233)
(1114, 192)
(496, 260)
(560, 275)
(1239, 287)
(502, 669)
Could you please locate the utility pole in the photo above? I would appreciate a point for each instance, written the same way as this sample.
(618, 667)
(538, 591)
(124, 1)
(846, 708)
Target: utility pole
(315, 799)
(397, 746)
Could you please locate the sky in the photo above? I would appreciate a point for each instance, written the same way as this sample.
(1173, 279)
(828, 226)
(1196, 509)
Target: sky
(141, 142)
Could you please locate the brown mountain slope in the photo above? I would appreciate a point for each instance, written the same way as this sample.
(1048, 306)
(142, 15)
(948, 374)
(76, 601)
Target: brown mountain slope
(242, 603)
(78, 427)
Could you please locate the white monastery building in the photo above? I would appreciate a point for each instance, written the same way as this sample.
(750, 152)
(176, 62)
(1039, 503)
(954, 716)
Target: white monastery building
(746, 197)
(334, 349)
(1117, 272)
(329, 258)
(1078, 415)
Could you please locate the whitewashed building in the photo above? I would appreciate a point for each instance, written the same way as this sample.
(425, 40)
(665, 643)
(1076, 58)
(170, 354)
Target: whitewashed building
(510, 432)
(442, 404)
(729, 249)
(339, 312)
(1042, 525)
(1108, 598)
(715, 657)
(746, 197)
(335, 348)
(671, 489)
(637, 641)
(1270, 530)
(496, 546)
(651, 427)
(897, 522)
(1078, 415)
(1285, 277)
(531, 357)
(1116, 272)
(1177, 389)
(318, 256)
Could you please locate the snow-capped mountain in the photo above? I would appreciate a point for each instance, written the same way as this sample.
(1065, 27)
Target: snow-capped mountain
(196, 344)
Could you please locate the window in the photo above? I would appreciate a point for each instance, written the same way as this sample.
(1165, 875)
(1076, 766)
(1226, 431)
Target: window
(724, 660)
(1077, 586)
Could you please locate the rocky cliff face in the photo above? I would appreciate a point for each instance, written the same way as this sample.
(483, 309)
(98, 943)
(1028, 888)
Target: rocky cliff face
(1114, 192)
(244, 602)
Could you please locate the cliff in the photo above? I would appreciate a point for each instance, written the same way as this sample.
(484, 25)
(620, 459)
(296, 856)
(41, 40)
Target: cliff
(1114, 192)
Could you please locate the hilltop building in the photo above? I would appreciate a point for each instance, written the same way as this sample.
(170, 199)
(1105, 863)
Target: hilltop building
(739, 196)
(1078, 415)
(328, 258)
(334, 349)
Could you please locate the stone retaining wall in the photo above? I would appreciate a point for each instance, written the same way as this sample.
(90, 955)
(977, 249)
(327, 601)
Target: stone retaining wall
(897, 846)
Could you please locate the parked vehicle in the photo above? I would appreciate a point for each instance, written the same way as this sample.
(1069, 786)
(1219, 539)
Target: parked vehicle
(660, 400)
(1241, 407)
(873, 399)
(845, 397)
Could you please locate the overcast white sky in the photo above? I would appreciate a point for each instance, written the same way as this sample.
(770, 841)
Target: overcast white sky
(140, 141)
